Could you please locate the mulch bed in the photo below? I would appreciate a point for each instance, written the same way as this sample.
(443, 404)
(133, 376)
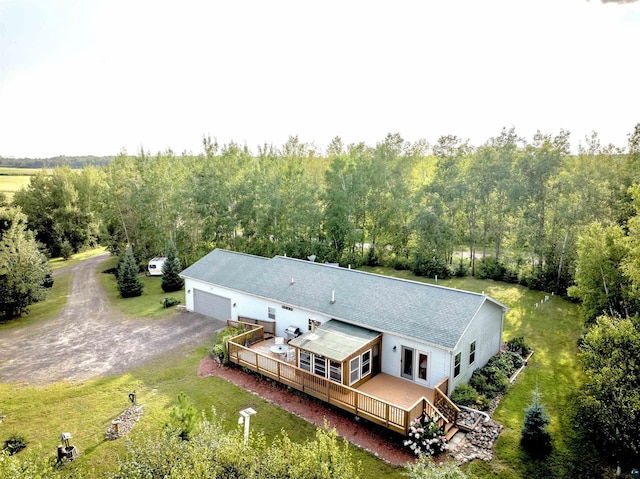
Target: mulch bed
(380, 442)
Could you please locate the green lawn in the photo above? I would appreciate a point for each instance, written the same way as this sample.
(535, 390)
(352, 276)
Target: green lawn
(552, 331)
(41, 311)
(149, 305)
(86, 410)
(59, 263)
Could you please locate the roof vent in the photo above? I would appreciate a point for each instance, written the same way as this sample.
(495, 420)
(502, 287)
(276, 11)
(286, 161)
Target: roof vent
(333, 296)
(292, 281)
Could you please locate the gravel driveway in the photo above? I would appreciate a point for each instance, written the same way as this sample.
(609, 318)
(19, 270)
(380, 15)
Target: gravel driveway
(90, 339)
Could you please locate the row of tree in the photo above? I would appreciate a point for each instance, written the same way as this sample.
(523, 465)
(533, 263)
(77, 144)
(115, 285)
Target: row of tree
(55, 161)
(508, 209)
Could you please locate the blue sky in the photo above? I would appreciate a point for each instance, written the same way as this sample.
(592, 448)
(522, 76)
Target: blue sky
(92, 77)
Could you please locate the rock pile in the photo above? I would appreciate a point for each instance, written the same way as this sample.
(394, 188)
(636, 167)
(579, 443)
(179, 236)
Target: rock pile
(478, 444)
(125, 423)
(468, 419)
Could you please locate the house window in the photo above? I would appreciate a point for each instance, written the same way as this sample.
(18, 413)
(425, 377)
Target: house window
(319, 366)
(304, 361)
(366, 363)
(354, 368)
(335, 371)
(272, 313)
(456, 365)
(472, 352)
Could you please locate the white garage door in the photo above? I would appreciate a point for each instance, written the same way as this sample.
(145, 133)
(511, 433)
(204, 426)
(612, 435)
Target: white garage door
(217, 307)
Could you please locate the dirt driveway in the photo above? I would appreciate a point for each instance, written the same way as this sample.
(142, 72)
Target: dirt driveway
(90, 339)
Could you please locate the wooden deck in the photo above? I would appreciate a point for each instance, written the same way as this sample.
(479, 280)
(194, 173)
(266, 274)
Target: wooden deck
(250, 350)
(396, 390)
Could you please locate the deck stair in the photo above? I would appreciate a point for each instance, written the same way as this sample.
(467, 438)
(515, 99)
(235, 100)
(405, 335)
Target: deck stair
(450, 430)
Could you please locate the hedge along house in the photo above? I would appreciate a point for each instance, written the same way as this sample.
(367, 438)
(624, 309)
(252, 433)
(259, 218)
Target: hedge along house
(355, 326)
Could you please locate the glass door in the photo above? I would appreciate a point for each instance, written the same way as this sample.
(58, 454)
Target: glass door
(407, 363)
(423, 367)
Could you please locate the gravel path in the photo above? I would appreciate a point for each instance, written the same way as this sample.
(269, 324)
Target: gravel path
(90, 339)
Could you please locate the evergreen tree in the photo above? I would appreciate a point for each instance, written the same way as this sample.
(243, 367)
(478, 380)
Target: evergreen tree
(171, 281)
(129, 283)
(535, 437)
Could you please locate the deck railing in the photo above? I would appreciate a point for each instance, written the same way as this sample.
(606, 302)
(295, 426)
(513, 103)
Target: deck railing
(443, 403)
(364, 405)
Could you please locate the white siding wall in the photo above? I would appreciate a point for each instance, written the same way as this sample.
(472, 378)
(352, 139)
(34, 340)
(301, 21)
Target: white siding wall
(486, 331)
(254, 307)
(438, 358)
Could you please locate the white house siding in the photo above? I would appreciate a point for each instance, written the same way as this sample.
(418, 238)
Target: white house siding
(254, 307)
(486, 331)
(391, 360)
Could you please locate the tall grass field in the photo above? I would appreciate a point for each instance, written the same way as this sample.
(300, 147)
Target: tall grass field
(14, 179)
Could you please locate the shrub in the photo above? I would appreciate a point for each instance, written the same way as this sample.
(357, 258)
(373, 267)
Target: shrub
(431, 267)
(400, 263)
(221, 349)
(426, 468)
(464, 394)
(489, 381)
(490, 268)
(518, 345)
(462, 269)
(170, 301)
(66, 250)
(14, 444)
(482, 402)
(426, 436)
(508, 362)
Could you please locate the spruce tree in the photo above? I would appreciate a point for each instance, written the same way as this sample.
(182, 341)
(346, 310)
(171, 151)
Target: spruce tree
(129, 283)
(171, 281)
(535, 437)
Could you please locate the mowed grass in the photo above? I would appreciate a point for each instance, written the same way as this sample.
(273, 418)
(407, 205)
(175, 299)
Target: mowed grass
(552, 330)
(49, 308)
(59, 263)
(149, 305)
(87, 409)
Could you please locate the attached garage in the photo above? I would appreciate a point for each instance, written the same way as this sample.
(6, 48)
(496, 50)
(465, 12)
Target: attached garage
(218, 307)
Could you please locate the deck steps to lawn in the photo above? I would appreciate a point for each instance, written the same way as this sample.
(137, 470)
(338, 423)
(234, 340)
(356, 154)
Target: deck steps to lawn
(450, 430)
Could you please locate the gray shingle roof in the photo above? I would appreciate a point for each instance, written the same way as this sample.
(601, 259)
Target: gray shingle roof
(425, 312)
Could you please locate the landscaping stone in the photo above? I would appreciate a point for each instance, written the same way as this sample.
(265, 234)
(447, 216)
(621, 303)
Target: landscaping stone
(478, 444)
(126, 422)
